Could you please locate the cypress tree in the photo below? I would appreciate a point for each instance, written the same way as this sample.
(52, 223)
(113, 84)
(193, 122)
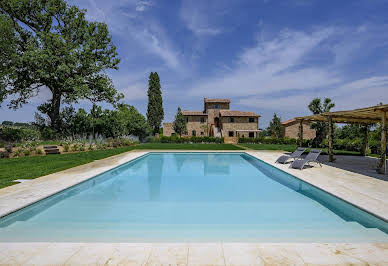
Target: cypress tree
(155, 113)
(180, 123)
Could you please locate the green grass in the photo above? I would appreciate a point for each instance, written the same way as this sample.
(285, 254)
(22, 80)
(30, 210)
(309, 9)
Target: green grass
(36, 166)
(185, 146)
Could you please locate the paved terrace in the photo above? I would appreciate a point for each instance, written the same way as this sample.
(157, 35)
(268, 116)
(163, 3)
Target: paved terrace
(367, 192)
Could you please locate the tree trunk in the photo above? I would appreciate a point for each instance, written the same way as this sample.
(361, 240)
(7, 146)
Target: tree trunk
(55, 111)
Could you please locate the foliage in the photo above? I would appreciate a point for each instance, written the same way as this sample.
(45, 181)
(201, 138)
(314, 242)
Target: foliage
(351, 131)
(133, 122)
(176, 139)
(180, 123)
(260, 140)
(17, 134)
(155, 113)
(321, 128)
(186, 146)
(275, 128)
(49, 44)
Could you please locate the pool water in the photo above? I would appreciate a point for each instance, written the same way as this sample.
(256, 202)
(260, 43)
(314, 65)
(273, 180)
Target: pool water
(176, 197)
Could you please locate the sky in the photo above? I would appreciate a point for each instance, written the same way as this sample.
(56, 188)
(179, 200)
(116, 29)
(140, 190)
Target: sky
(266, 56)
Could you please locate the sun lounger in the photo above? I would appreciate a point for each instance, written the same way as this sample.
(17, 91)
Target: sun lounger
(296, 154)
(311, 157)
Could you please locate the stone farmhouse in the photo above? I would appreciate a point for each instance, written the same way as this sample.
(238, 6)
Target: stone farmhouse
(291, 129)
(217, 120)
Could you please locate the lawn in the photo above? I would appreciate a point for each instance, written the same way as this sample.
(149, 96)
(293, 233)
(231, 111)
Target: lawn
(186, 146)
(36, 166)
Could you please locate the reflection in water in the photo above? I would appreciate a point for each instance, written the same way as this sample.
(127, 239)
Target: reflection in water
(213, 164)
(155, 169)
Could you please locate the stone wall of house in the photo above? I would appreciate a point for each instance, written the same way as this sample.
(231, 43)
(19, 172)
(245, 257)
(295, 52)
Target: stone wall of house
(168, 129)
(194, 123)
(292, 130)
(223, 106)
(240, 123)
(212, 112)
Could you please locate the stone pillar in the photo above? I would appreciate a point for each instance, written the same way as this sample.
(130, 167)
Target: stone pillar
(331, 137)
(365, 144)
(301, 133)
(382, 165)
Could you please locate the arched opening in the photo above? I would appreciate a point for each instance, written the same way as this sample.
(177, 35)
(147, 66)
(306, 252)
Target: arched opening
(216, 122)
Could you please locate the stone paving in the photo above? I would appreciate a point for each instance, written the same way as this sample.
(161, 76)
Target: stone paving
(364, 191)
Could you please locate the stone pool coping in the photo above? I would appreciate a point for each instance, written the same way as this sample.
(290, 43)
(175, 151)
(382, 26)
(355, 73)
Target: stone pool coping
(365, 192)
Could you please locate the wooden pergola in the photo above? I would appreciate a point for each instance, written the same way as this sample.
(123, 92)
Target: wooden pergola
(364, 116)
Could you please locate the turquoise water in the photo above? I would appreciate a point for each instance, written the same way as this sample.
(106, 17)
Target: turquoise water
(175, 197)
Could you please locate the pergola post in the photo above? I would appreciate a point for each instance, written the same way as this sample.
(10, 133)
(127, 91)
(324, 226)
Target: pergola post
(382, 165)
(301, 133)
(365, 144)
(331, 136)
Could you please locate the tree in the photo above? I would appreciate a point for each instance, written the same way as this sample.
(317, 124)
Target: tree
(321, 128)
(7, 123)
(275, 128)
(134, 122)
(50, 45)
(155, 113)
(180, 123)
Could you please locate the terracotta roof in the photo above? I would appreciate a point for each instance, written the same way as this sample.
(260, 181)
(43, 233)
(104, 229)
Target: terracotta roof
(288, 121)
(216, 100)
(291, 121)
(185, 112)
(237, 113)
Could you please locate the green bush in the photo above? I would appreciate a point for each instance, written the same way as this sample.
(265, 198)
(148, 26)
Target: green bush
(176, 139)
(262, 140)
(18, 134)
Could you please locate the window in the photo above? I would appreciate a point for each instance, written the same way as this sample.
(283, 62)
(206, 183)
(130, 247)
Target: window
(216, 106)
(231, 119)
(251, 134)
(194, 133)
(231, 133)
(202, 120)
(202, 133)
(187, 119)
(251, 120)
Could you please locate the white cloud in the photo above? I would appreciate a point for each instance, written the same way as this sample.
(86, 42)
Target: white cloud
(135, 92)
(143, 5)
(197, 18)
(271, 66)
(126, 20)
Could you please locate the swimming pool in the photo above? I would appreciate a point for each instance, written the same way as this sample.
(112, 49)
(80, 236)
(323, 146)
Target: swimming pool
(195, 197)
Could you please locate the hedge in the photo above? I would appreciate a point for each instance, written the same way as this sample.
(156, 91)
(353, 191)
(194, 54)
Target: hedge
(176, 139)
(17, 134)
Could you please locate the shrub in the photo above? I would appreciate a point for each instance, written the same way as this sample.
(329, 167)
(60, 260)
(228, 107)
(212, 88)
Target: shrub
(66, 147)
(177, 139)
(75, 147)
(262, 140)
(38, 151)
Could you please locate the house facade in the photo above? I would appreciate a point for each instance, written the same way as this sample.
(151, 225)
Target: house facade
(291, 129)
(217, 120)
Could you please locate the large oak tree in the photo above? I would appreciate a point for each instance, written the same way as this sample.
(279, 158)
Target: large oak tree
(49, 44)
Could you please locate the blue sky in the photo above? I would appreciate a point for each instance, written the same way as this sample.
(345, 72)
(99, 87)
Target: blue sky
(266, 56)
